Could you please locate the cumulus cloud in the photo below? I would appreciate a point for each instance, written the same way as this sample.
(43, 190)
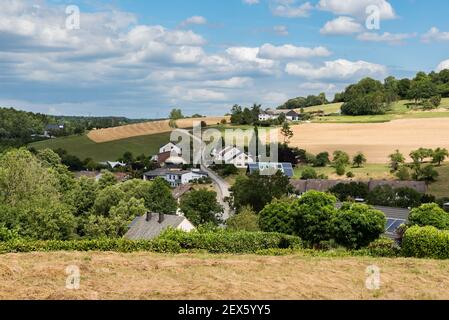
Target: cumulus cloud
(336, 70)
(357, 8)
(195, 20)
(443, 65)
(392, 38)
(234, 82)
(341, 26)
(434, 34)
(290, 9)
(288, 51)
(281, 30)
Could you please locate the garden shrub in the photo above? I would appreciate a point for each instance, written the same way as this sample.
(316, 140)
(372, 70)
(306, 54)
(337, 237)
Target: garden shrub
(277, 217)
(114, 245)
(429, 215)
(357, 225)
(383, 247)
(352, 190)
(231, 242)
(426, 242)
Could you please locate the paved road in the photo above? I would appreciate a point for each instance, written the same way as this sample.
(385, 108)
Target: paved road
(220, 184)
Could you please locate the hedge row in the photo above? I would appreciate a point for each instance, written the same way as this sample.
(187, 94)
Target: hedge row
(231, 242)
(116, 245)
(426, 242)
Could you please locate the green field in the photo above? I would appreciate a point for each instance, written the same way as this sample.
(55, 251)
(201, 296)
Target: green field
(83, 147)
(399, 111)
(369, 171)
(440, 188)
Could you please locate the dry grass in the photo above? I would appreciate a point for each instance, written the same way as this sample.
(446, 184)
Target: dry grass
(201, 276)
(375, 140)
(146, 129)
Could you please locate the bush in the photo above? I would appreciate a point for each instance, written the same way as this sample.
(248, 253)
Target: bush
(322, 159)
(401, 197)
(357, 225)
(116, 245)
(340, 169)
(352, 190)
(403, 173)
(313, 214)
(245, 220)
(308, 173)
(426, 242)
(230, 242)
(383, 247)
(276, 217)
(429, 215)
(350, 175)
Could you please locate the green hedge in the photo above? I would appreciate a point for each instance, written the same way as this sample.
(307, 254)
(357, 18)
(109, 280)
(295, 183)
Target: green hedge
(231, 242)
(117, 245)
(426, 242)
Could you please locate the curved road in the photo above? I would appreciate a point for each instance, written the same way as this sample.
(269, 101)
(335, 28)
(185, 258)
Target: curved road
(220, 184)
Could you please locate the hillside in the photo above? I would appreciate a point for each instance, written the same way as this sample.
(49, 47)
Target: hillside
(83, 147)
(203, 276)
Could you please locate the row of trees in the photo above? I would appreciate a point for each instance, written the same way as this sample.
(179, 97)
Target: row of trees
(305, 102)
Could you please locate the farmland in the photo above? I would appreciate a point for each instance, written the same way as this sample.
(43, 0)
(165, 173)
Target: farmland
(204, 276)
(375, 140)
(83, 147)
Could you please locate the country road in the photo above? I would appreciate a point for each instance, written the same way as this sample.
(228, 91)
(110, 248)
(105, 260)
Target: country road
(221, 186)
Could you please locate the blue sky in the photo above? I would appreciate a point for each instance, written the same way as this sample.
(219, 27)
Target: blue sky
(140, 58)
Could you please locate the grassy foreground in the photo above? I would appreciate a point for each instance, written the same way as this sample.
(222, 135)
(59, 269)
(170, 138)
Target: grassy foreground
(83, 147)
(204, 276)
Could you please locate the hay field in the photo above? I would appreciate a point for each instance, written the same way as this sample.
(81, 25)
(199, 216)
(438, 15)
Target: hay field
(146, 128)
(375, 140)
(203, 276)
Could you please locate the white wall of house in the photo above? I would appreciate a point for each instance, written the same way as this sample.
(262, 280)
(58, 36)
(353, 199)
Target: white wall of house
(169, 147)
(186, 226)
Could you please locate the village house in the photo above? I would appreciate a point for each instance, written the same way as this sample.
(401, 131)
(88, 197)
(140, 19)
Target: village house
(271, 114)
(232, 155)
(172, 148)
(270, 168)
(151, 225)
(175, 177)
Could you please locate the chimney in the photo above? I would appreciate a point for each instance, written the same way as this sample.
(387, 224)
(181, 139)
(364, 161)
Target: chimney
(161, 217)
(149, 214)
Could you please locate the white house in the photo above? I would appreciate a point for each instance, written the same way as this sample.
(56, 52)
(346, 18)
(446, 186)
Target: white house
(232, 155)
(170, 147)
(175, 177)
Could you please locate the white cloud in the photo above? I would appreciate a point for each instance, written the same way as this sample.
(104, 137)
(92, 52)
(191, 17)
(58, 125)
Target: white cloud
(281, 30)
(289, 9)
(392, 38)
(275, 98)
(434, 34)
(288, 51)
(251, 2)
(338, 70)
(342, 26)
(234, 82)
(318, 87)
(357, 8)
(195, 20)
(443, 65)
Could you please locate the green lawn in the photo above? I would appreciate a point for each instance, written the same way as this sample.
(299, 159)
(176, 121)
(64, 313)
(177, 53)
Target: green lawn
(440, 188)
(83, 147)
(399, 111)
(367, 172)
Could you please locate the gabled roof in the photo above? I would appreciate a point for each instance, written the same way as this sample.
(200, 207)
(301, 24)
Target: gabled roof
(285, 167)
(141, 229)
(178, 192)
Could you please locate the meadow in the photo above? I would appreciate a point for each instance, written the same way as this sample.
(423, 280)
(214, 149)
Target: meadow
(147, 276)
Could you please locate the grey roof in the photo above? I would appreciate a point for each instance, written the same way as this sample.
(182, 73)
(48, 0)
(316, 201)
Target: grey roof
(390, 213)
(285, 167)
(160, 172)
(141, 229)
(324, 185)
(292, 113)
(181, 190)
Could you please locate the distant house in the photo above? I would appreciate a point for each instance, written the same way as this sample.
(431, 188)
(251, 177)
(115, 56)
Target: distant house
(175, 177)
(120, 176)
(269, 114)
(269, 168)
(232, 155)
(115, 164)
(151, 225)
(302, 186)
(54, 127)
(292, 115)
(170, 147)
(161, 157)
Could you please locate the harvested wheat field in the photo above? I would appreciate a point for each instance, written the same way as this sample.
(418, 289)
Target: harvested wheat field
(202, 276)
(146, 129)
(375, 140)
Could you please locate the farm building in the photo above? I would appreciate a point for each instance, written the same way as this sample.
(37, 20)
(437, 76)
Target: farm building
(232, 155)
(175, 177)
(302, 186)
(270, 168)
